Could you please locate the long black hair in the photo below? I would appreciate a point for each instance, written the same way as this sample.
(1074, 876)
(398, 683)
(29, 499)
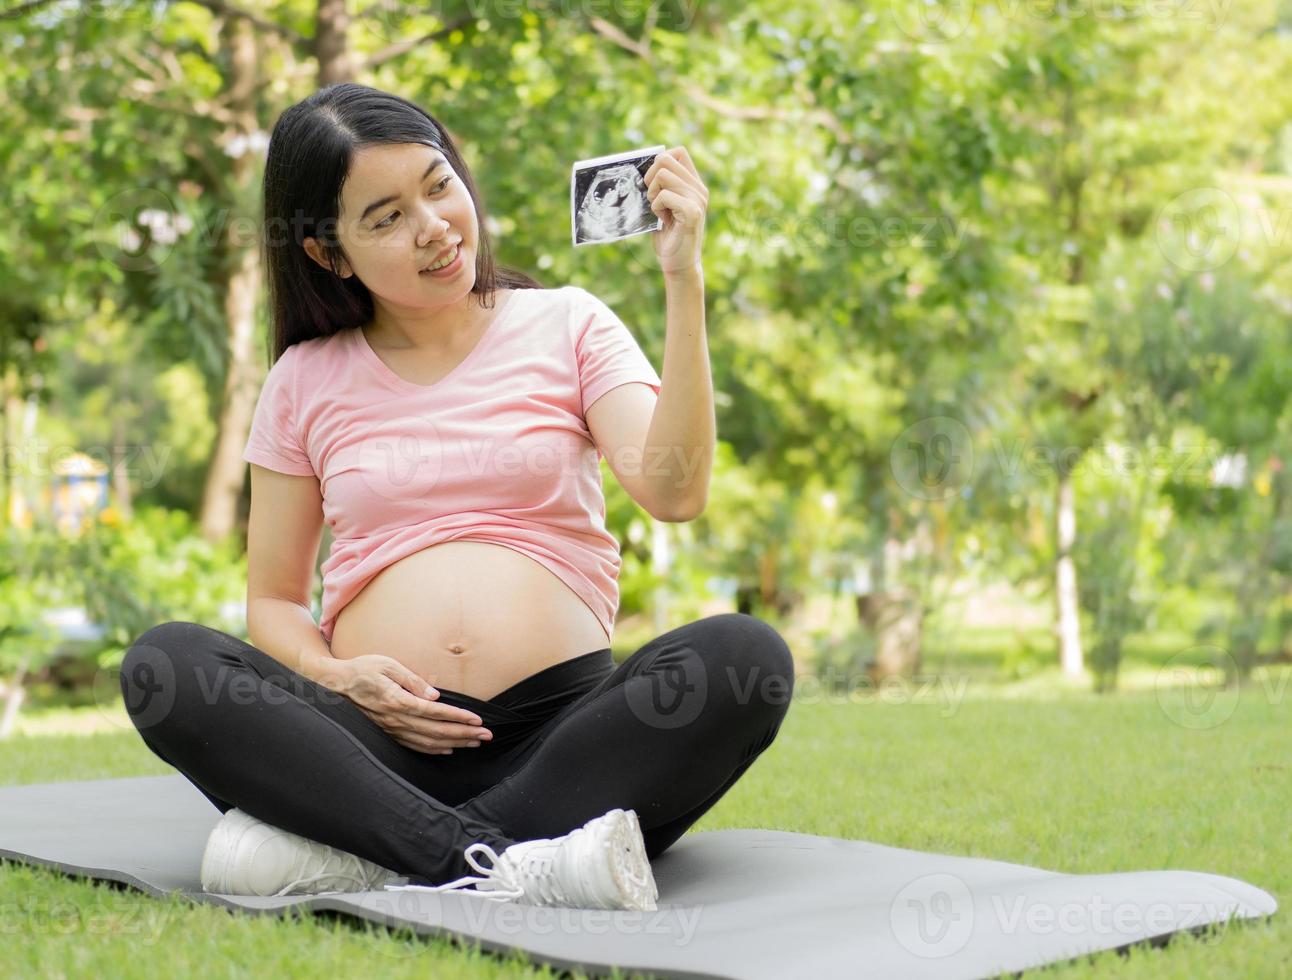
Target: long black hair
(310, 153)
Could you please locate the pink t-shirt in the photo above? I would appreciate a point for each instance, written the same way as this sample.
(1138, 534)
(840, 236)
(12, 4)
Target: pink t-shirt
(496, 451)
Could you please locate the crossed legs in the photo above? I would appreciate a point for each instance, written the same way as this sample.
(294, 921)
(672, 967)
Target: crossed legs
(666, 734)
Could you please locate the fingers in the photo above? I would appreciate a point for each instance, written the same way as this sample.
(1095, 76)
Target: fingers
(431, 708)
(410, 714)
(437, 728)
(684, 209)
(677, 162)
(442, 744)
(426, 741)
(433, 746)
(685, 158)
(412, 683)
(676, 176)
(441, 730)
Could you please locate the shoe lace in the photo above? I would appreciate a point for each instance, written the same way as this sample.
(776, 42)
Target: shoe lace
(529, 875)
(352, 872)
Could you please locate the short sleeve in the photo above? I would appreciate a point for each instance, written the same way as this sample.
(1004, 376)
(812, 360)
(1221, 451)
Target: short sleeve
(273, 442)
(608, 354)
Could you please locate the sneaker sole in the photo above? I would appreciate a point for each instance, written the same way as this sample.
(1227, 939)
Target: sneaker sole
(629, 869)
(639, 851)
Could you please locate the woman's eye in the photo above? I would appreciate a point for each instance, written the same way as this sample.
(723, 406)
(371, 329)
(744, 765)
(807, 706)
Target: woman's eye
(434, 190)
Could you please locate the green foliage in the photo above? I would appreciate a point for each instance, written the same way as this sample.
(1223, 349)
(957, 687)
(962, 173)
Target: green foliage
(1022, 658)
(127, 575)
(840, 661)
(30, 583)
(912, 218)
(152, 569)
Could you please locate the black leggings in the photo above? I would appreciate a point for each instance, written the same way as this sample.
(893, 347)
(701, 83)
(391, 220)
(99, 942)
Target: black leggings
(666, 733)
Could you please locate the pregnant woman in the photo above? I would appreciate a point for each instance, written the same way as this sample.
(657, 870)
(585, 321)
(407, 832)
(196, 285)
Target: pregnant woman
(456, 720)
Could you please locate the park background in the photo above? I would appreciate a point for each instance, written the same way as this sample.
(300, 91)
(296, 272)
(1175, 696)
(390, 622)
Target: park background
(998, 306)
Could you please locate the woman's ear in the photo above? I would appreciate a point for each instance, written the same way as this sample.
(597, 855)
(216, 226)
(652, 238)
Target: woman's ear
(315, 252)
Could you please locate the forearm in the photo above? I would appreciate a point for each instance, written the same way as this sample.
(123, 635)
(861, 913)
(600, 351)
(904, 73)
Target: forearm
(678, 454)
(287, 632)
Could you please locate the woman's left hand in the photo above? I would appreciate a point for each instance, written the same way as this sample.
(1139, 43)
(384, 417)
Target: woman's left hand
(679, 197)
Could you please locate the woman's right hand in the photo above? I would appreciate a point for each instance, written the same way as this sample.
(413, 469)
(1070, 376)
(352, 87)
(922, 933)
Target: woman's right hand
(403, 704)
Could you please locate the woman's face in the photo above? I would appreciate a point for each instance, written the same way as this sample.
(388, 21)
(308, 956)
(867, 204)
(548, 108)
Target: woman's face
(402, 205)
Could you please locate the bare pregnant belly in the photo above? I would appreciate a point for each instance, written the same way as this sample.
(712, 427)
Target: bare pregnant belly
(468, 616)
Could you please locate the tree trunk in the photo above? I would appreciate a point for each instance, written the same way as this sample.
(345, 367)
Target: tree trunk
(6, 474)
(661, 559)
(331, 24)
(897, 623)
(1067, 621)
(120, 476)
(225, 475)
(767, 575)
(13, 694)
(890, 612)
(768, 595)
(24, 484)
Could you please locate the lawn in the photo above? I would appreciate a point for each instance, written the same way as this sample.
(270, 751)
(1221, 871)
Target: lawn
(1046, 775)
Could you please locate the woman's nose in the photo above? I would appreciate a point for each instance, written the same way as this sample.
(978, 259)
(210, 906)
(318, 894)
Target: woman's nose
(430, 225)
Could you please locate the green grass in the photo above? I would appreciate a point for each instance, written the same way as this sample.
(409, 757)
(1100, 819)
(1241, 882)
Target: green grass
(1070, 782)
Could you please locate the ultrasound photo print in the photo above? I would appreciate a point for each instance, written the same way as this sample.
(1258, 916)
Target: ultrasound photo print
(608, 197)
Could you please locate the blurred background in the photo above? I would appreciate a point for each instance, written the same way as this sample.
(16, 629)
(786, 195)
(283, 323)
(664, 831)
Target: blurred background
(999, 309)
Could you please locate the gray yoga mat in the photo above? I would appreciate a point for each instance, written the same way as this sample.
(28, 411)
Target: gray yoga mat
(733, 903)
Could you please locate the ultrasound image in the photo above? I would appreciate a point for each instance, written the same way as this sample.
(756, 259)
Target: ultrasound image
(609, 201)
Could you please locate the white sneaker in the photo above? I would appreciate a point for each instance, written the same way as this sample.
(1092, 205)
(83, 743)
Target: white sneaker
(246, 856)
(601, 865)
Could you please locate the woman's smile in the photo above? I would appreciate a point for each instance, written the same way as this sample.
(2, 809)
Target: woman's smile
(447, 271)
